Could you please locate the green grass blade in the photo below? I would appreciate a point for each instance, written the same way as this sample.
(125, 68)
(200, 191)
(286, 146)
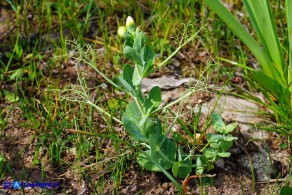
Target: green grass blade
(182, 124)
(262, 21)
(273, 86)
(288, 6)
(246, 38)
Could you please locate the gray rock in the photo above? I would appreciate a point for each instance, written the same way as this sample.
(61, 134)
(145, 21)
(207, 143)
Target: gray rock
(220, 163)
(164, 82)
(259, 162)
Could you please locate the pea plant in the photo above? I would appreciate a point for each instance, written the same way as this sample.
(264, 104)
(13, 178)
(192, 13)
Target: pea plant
(161, 153)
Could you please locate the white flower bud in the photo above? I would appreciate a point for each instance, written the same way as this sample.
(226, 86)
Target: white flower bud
(130, 22)
(122, 31)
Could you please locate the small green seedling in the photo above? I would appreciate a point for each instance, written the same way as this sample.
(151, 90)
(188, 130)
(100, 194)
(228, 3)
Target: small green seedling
(218, 144)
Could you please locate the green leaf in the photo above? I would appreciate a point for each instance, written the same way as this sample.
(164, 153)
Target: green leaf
(225, 145)
(17, 74)
(145, 125)
(214, 140)
(217, 123)
(149, 57)
(158, 127)
(128, 74)
(229, 138)
(281, 92)
(224, 154)
(261, 18)
(175, 168)
(210, 154)
(148, 54)
(137, 77)
(147, 164)
(210, 166)
(133, 130)
(131, 30)
(125, 80)
(129, 40)
(229, 128)
(162, 149)
(149, 127)
(218, 141)
(133, 112)
(10, 96)
(182, 169)
(154, 99)
(19, 52)
(199, 166)
(12, 5)
(9, 54)
(139, 40)
(122, 83)
(288, 6)
(134, 55)
(286, 190)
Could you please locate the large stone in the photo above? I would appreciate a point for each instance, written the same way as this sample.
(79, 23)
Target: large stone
(236, 109)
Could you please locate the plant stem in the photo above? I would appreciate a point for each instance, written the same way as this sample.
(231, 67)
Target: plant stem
(179, 48)
(102, 111)
(204, 147)
(176, 101)
(140, 107)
